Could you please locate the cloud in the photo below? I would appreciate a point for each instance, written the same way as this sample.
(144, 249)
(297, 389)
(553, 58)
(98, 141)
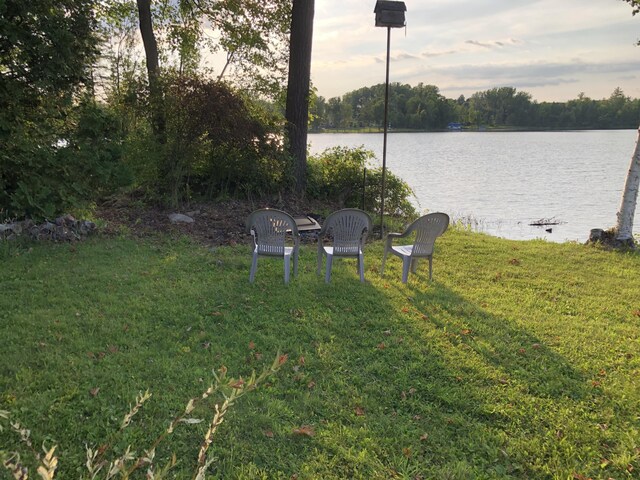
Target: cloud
(548, 81)
(406, 56)
(480, 44)
(494, 43)
(549, 70)
(438, 54)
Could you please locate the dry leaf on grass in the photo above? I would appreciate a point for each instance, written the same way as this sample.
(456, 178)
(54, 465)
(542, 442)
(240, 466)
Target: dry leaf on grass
(304, 430)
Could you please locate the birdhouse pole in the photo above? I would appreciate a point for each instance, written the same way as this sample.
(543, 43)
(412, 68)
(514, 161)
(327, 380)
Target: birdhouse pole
(389, 14)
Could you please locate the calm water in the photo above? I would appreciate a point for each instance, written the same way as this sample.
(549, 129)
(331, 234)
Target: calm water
(500, 182)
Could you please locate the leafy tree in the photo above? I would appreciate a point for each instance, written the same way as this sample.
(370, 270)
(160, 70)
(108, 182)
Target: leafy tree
(219, 143)
(501, 106)
(635, 4)
(585, 111)
(366, 106)
(427, 108)
(253, 34)
(317, 112)
(47, 52)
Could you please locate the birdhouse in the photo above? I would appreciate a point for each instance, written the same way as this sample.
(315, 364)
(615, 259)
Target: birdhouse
(390, 14)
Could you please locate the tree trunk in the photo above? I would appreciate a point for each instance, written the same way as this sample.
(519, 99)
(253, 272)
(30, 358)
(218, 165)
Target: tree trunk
(624, 227)
(153, 69)
(297, 109)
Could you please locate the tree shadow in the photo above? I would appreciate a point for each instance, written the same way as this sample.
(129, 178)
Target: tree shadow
(515, 353)
(432, 389)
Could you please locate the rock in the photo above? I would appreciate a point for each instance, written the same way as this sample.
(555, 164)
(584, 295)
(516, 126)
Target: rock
(65, 228)
(193, 213)
(47, 227)
(8, 228)
(180, 218)
(85, 227)
(65, 220)
(608, 239)
(596, 235)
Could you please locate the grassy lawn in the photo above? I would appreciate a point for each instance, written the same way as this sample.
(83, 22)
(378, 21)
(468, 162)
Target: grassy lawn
(520, 359)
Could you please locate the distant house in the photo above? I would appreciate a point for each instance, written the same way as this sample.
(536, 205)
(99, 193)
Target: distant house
(454, 126)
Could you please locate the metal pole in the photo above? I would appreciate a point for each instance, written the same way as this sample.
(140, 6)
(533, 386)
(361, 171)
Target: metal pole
(364, 185)
(384, 144)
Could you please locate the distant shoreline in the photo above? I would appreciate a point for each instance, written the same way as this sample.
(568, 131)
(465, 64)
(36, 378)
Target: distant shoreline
(463, 129)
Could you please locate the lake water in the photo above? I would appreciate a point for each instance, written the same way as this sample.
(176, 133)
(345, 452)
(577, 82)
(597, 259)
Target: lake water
(500, 182)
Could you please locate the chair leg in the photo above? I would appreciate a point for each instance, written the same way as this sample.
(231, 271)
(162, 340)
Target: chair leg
(430, 267)
(384, 259)
(361, 266)
(254, 267)
(287, 265)
(327, 276)
(406, 263)
(320, 251)
(414, 265)
(295, 262)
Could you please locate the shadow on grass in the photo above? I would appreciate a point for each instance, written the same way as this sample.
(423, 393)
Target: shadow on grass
(515, 354)
(394, 380)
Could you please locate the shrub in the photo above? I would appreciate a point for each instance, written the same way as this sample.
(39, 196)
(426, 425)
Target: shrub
(338, 174)
(52, 164)
(217, 143)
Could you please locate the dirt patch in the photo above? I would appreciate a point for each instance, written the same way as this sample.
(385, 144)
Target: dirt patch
(215, 223)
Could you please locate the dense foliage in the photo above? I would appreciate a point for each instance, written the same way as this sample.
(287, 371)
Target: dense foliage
(57, 148)
(251, 35)
(423, 108)
(77, 113)
(218, 143)
(345, 175)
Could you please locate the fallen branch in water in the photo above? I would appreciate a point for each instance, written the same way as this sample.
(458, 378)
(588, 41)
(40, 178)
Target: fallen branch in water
(546, 221)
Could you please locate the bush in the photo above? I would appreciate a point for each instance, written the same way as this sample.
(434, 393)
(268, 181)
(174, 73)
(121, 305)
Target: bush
(52, 164)
(337, 174)
(217, 143)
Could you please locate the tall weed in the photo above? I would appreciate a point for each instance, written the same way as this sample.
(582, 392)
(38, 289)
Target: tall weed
(104, 463)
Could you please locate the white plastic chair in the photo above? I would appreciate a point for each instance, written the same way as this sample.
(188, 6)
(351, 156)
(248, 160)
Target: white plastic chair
(427, 229)
(269, 229)
(348, 229)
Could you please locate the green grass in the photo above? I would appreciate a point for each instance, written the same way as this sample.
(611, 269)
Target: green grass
(520, 359)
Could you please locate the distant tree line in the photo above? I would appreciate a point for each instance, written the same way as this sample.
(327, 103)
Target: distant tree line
(423, 107)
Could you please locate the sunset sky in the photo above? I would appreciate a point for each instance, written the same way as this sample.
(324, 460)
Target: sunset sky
(553, 49)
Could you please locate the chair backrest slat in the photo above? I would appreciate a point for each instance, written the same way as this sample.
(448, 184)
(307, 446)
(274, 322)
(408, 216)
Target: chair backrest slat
(349, 229)
(270, 228)
(428, 228)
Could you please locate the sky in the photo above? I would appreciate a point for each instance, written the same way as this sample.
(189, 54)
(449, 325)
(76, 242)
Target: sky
(552, 49)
